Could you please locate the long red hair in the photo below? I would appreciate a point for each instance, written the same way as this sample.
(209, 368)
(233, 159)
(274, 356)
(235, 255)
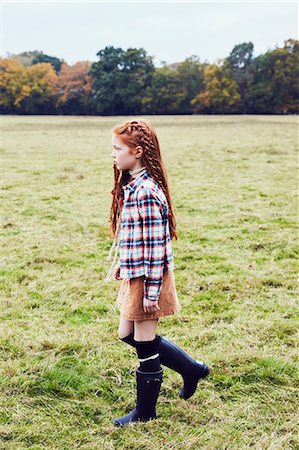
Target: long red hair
(133, 133)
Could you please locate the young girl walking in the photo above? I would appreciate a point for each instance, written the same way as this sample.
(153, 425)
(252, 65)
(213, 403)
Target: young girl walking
(143, 224)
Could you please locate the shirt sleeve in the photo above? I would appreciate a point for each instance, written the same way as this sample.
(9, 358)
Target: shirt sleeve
(151, 211)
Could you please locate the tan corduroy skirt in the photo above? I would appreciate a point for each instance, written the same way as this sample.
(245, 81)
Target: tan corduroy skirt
(130, 298)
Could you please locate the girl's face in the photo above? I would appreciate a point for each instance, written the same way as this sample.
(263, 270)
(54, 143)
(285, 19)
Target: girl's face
(124, 158)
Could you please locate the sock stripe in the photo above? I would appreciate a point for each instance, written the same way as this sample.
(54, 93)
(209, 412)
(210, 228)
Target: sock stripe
(150, 357)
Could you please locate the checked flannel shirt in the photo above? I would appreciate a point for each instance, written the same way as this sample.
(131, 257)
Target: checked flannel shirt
(145, 244)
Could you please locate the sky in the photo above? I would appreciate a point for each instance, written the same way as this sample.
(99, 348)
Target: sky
(169, 31)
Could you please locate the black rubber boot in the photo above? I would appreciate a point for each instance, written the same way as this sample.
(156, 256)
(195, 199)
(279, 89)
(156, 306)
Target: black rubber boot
(172, 356)
(148, 388)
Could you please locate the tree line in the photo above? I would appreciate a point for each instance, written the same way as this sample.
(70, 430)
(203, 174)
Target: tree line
(126, 82)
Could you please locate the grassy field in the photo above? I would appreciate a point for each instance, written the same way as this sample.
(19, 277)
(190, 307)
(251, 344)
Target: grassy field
(64, 374)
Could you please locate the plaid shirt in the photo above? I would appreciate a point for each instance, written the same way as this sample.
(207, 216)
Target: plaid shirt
(145, 244)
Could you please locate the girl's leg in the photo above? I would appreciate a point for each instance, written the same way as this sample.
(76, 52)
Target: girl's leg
(145, 330)
(147, 345)
(172, 356)
(125, 328)
(148, 374)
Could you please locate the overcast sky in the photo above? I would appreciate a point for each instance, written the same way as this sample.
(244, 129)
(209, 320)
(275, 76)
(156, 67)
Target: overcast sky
(168, 31)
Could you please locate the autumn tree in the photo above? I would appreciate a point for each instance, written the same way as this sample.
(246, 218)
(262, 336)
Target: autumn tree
(26, 90)
(220, 94)
(73, 89)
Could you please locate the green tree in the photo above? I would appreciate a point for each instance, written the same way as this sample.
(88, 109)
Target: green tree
(238, 65)
(191, 80)
(275, 84)
(55, 62)
(165, 95)
(119, 80)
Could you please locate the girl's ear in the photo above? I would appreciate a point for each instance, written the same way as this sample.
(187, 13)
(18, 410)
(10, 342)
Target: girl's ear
(139, 150)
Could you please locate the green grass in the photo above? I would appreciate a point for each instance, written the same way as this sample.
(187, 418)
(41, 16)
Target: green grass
(64, 374)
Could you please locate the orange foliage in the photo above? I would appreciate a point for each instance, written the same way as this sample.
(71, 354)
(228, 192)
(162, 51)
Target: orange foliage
(73, 80)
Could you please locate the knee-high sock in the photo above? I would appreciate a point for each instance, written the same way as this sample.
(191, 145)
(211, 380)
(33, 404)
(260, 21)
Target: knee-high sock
(148, 355)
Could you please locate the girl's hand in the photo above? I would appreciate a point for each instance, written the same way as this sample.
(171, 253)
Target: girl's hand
(116, 272)
(150, 306)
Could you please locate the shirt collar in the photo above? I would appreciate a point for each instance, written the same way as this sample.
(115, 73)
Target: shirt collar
(132, 185)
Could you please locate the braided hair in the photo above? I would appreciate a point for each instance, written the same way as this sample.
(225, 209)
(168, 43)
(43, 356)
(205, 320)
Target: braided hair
(134, 133)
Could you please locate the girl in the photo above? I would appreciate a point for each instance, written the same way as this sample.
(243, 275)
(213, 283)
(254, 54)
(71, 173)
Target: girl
(143, 225)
